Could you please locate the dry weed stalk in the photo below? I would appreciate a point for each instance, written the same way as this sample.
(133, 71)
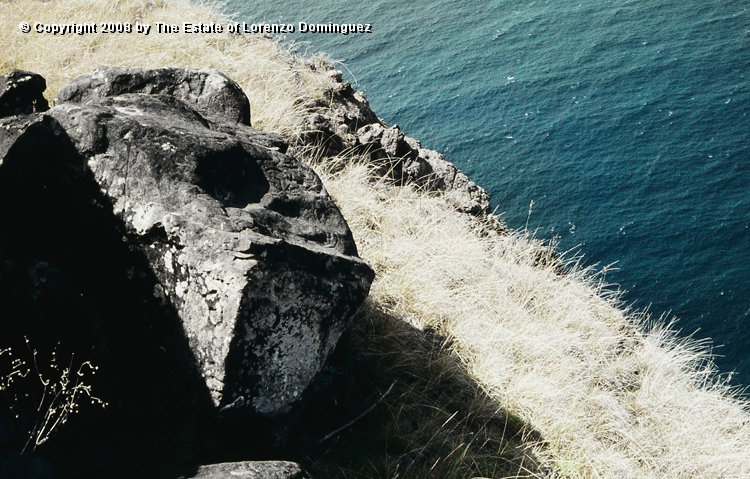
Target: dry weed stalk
(62, 393)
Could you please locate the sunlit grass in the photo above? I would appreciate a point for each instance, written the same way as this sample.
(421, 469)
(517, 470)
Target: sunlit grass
(611, 393)
(273, 80)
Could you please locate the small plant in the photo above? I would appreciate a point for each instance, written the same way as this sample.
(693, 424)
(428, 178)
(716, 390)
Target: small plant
(45, 400)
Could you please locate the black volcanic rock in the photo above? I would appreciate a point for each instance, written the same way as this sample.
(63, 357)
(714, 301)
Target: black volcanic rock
(247, 470)
(343, 121)
(207, 90)
(198, 266)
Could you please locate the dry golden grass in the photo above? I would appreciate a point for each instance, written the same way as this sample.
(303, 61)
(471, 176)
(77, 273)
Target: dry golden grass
(272, 79)
(612, 393)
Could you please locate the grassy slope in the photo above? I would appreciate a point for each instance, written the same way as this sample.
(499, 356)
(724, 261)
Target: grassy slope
(270, 79)
(606, 393)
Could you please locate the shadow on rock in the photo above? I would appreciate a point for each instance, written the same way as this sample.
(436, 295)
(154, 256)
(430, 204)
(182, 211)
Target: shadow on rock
(78, 292)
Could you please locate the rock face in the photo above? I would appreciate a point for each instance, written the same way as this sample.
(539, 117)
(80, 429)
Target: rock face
(344, 121)
(210, 92)
(145, 208)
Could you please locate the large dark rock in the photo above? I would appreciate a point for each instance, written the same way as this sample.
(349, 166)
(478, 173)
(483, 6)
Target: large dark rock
(14, 466)
(207, 90)
(189, 258)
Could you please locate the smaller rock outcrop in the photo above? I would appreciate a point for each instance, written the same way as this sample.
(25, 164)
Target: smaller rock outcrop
(403, 159)
(21, 93)
(343, 121)
(333, 119)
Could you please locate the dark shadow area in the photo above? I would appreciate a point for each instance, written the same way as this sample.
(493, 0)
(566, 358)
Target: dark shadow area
(394, 401)
(75, 285)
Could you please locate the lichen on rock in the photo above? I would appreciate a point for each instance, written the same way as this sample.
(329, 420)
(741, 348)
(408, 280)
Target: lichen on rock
(243, 242)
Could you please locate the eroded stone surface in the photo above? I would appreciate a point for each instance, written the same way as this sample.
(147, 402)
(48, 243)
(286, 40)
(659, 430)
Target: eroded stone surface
(243, 242)
(251, 470)
(207, 90)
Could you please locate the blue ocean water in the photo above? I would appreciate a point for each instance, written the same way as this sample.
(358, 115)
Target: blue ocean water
(619, 128)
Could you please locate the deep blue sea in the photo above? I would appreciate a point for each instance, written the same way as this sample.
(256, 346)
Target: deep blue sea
(619, 128)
